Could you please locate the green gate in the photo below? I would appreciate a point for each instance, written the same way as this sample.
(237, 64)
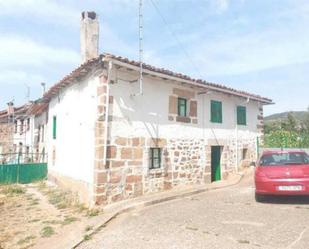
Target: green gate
(22, 173)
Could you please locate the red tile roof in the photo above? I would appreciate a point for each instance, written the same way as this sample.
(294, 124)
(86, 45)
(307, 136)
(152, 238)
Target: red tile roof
(31, 108)
(87, 66)
(81, 71)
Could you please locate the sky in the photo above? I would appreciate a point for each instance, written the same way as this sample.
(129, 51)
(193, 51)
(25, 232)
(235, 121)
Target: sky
(259, 46)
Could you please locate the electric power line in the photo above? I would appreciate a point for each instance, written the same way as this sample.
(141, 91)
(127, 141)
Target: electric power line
(176, 38)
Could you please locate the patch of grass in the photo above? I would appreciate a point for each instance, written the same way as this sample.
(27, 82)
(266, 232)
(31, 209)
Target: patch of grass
(87, 237)
(27, 247)
(47, 231)
(41, 185)
(191, 228)
(88, 228)
(33, 220)
(80, 208)
(13, 190)
(34, 202)
(93, 212)
(68, 220)
(60, 199)
(243, 241)
(26, 240)
(53, 222)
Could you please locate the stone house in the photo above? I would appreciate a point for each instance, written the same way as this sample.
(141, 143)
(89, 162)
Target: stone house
(22, 132)
(111, 138)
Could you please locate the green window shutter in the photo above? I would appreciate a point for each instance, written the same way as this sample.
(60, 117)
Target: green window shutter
(241, 115)
(54, 127)
(216, 111)
(182, 107)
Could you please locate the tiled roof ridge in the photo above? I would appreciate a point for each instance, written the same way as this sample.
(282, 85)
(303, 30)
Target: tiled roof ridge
(185, 77)
(83, 69)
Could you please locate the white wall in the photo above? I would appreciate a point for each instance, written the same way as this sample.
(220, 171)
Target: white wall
(147, 115)
(26, 137)
(75, 109)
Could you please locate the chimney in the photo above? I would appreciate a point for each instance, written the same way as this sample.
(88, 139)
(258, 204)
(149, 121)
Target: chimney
(89, 35)
(10, 109)
(43, 84)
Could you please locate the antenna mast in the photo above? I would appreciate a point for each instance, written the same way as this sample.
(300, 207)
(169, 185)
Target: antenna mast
(141, 46)
(28, 92)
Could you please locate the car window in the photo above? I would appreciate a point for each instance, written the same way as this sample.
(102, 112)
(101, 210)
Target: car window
(290, 158)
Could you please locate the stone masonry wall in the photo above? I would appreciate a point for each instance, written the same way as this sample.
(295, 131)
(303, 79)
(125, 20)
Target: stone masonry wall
(126, 173)
(6, 140)
(184, 162)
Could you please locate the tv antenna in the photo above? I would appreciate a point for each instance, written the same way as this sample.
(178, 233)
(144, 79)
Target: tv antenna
(140, 45)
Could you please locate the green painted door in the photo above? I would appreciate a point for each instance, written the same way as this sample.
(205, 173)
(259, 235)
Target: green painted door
(215, 163)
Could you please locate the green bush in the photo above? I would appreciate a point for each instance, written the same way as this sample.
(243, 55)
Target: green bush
(286, 139)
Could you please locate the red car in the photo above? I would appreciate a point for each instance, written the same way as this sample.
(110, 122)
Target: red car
(282, 173)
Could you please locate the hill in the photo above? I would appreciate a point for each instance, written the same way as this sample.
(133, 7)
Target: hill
(300, 116)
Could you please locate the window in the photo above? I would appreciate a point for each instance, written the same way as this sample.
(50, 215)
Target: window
(288, 158)
(28, 124)
(241, 115)
(21, 126)
(155, 158)
(244, 154)
(182, 107)
(54, 127)
(42, 135)
(216, 111)
(15, 126)
(39, 134)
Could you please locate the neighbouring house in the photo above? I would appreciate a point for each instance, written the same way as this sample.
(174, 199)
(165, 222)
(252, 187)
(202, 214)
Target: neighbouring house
(111, 138)
(22, 133)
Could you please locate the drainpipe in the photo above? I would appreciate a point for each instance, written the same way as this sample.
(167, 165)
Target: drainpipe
(110, 65)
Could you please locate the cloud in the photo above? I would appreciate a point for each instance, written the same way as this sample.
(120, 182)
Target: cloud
(17, 77)
(44, 10)
(22, 51)
(222, 5)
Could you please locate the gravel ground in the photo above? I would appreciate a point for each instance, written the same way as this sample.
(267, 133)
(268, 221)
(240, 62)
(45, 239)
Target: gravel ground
(227, 218)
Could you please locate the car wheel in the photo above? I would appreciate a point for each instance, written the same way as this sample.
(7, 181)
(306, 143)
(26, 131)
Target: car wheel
(259, 198)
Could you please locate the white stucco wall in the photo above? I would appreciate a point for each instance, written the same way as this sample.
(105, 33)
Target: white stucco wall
(147, 115)
(26, 137)
(75, 109)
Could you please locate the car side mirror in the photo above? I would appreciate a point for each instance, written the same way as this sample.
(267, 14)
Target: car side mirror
(253, 164)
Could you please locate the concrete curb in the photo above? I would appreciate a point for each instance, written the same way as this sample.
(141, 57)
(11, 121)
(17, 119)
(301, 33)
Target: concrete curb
(142, 204)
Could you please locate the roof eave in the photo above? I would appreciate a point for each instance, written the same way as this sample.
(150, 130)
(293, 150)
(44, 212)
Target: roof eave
(262, 100)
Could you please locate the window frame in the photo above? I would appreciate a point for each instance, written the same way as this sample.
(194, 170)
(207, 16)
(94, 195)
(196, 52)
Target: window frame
(54, 127)
(152, 158)
(179, 105)
(241, 115)
(214, 116)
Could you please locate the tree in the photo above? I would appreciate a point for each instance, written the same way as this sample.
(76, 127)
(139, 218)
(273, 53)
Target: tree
(290, 124)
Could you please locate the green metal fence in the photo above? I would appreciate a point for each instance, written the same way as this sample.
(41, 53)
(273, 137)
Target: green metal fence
(22, 173)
